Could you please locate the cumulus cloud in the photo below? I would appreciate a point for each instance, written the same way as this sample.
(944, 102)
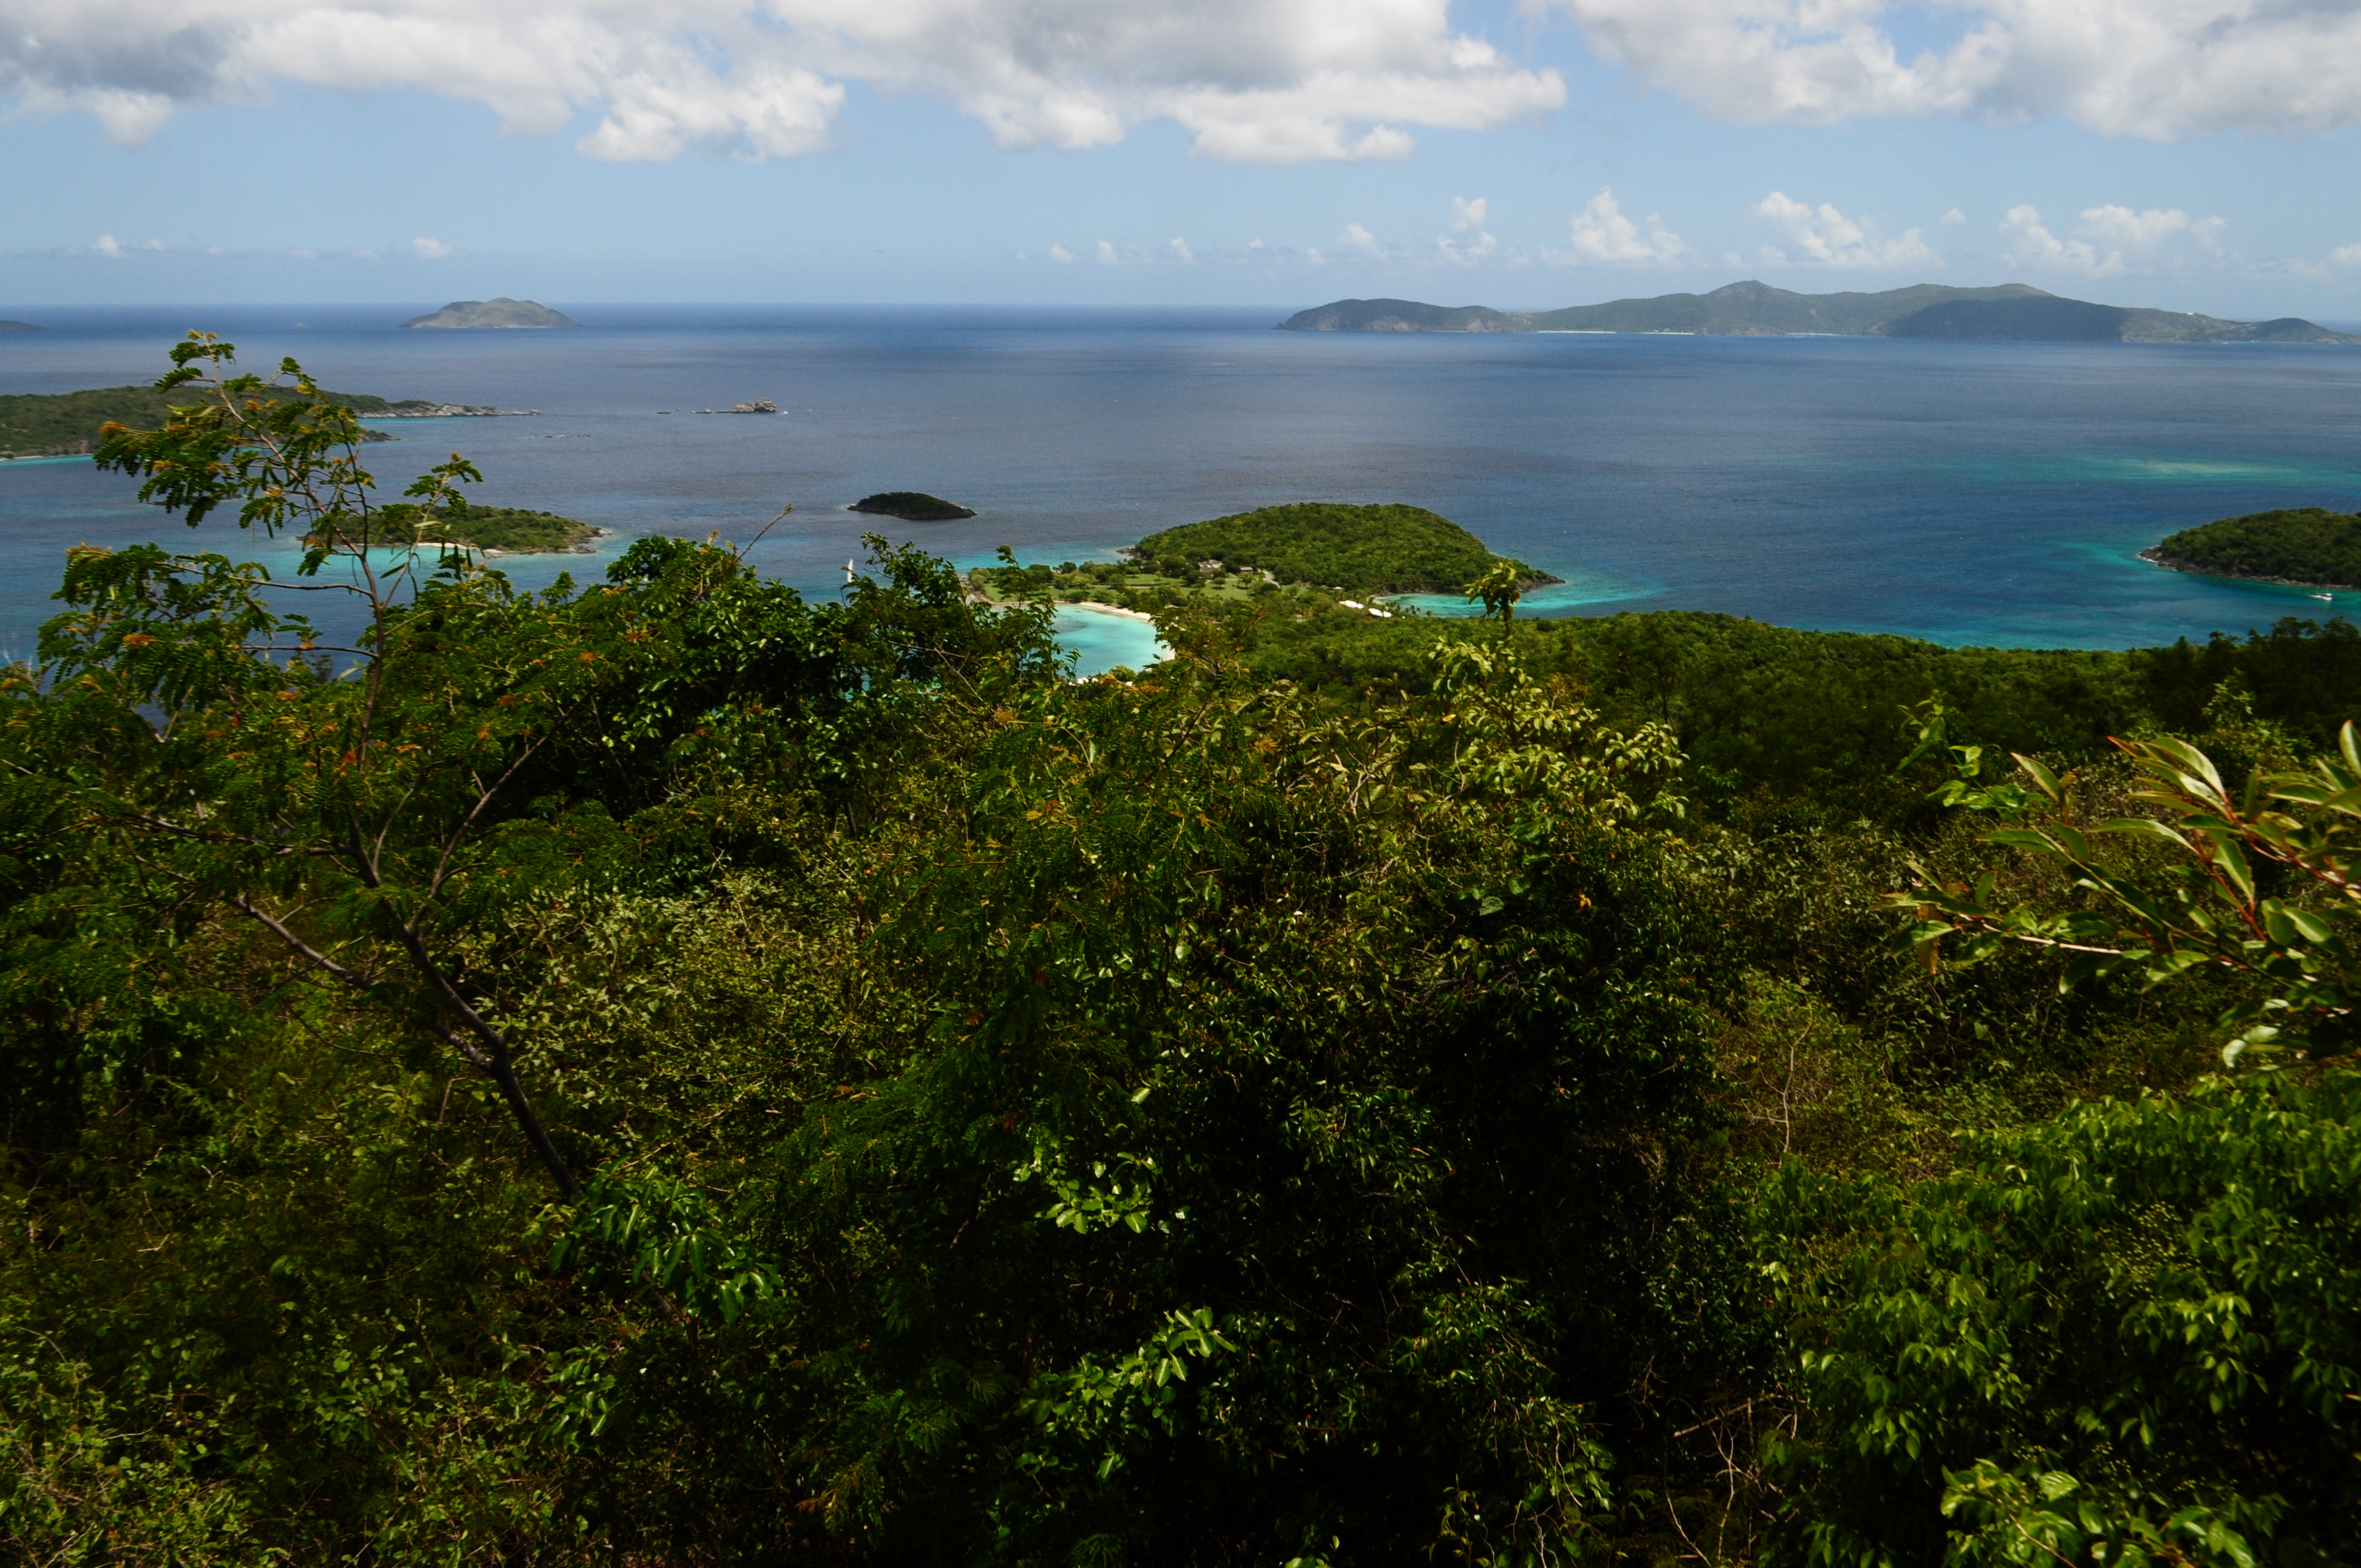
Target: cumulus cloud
(1352, 237)
(2345, 256)
(1173, 252)
(1955, 216)
(105, 246)
(427, 249)
(1251, 80)
(1602, 235)
(1471, 244)
(1823, 236)
(1059, 253)
(2107, 242)
(2158, 68)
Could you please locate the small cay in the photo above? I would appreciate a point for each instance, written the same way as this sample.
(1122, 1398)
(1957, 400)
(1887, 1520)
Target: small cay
(913, 506)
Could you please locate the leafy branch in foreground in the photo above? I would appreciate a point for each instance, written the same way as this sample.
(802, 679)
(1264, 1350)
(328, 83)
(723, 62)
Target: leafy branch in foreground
(2257, 882)
(472, 755)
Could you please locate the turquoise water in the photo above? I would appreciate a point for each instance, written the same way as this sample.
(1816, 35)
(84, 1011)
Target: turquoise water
(1100, 642)
(1966, 492)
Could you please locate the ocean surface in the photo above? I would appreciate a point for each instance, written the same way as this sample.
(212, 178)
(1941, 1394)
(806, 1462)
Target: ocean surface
(1964, 492)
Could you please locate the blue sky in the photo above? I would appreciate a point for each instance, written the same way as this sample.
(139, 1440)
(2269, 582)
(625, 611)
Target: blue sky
(2168, 152)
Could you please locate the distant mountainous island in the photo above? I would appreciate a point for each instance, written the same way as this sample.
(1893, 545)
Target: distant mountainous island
(469, 314)
(2011, 311)
(21, 327)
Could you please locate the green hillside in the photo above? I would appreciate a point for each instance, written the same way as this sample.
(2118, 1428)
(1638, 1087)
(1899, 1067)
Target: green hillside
(1360, 549)
(61, 424)
(2295, 544)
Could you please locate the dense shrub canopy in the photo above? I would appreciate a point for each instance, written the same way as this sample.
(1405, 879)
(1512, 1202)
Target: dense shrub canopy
(660, 1071)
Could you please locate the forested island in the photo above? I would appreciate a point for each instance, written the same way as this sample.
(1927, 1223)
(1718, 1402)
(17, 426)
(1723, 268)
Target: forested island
(1302, 554)
(1751, 309)
(2311, 547)
(664, 1070)
(912, 506)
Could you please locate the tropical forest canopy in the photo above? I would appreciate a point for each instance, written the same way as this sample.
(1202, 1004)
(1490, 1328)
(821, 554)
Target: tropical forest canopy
(2295, 544)
(662, 1070)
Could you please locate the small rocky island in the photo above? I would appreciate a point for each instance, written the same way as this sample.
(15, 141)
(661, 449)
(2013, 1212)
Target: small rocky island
(470, 315)
(913, 506)
(2308, 546)
(21, 327)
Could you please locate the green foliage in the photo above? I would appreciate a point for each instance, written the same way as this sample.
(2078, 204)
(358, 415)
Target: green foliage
(65, 423)
(1356, 549)
(2124, 1336)
(656, 1070)
(2294, 545)
(2257, 884)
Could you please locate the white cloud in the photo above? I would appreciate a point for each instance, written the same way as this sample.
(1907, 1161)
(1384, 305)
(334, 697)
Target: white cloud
(104, 245)
(1251, 80)
(2345, 256)
(1172, 252)
(1955, 216)
(2127, 230)
(1823, 236)
(1467, 221)
(2108, 242)
(2159, 68)
(1355, 238)
(1601, 234)
(427, 249)
(1059, 253)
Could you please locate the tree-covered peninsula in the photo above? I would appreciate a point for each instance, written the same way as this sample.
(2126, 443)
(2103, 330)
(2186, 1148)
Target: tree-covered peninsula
(502, 531)
(64, 424)
(2309, 545)
(662, 1071)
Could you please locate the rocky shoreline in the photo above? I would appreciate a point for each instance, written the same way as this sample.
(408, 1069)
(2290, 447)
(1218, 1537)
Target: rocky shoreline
(452, 410)
(2154, 557)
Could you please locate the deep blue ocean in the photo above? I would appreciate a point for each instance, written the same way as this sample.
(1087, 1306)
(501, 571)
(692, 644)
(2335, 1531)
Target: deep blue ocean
(1965, 492)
